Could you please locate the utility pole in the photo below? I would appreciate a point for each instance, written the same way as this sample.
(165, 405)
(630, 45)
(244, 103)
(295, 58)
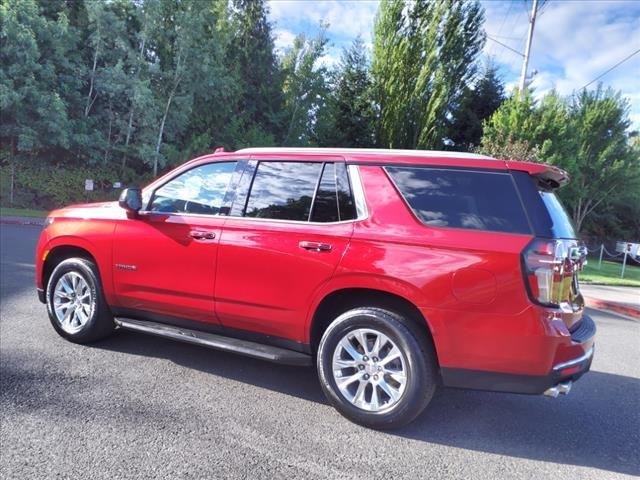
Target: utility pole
(525, 62)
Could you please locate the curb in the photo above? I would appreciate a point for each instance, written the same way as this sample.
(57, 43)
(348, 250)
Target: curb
(37, 222)
(632, 312)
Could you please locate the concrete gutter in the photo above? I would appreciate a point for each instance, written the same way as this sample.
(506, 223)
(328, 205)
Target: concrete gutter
(609, 306)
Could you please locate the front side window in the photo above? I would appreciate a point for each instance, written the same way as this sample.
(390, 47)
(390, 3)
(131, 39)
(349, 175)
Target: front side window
(200, 190)
(462, 199)
(283, 190)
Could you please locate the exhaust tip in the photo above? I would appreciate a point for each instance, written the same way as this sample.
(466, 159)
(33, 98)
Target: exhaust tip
(560, 389)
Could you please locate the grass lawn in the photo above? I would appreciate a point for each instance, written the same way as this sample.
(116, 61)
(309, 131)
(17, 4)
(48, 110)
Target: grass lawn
(22, 212)
(609, 274)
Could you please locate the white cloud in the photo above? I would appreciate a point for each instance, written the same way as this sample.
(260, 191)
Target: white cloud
(345, 18)
(283, 39)
(573, 43)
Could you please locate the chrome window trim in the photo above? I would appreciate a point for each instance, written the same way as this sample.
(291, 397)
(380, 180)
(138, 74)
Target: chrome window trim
(362, 212)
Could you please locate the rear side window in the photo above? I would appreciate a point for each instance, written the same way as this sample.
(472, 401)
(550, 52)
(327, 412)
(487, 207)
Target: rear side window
(466, 199)
(325, 205)
(283, 190)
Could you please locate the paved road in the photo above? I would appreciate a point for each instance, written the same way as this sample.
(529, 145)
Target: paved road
(139, 406)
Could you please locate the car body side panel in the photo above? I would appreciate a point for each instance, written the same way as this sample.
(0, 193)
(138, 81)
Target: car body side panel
(468, 284)
(265, 280)
(88, 227)
(160, 268)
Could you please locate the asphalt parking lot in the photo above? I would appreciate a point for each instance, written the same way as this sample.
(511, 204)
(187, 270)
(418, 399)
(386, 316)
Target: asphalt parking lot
(136, 406)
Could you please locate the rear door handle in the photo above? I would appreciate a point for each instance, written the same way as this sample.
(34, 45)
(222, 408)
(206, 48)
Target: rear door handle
(316, 246)
(202, 234)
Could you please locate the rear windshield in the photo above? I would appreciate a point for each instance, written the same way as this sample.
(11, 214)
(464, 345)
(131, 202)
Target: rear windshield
(474, 200)
(548, 217)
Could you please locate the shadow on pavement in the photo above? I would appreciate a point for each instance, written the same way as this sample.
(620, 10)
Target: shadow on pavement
(597, 425)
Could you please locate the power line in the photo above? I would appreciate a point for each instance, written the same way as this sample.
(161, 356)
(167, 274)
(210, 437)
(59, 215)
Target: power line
(505, 45)
(615, 66)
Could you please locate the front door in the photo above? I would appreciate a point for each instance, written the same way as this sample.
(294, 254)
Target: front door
(164, 260)
(283, 239)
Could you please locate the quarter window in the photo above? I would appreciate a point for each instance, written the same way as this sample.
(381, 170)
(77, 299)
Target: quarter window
(462, 199)
(325, 205)
(200, 190)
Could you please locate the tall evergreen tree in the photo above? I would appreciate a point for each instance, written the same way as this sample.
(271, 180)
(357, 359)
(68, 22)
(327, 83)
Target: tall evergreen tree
(464, 127)
(252, 55)
(349, 117)
(424, 54)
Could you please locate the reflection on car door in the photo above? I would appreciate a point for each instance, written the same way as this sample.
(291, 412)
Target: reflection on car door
(165, 259)
(284, 238)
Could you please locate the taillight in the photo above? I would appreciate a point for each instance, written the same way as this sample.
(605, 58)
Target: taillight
(549, 270)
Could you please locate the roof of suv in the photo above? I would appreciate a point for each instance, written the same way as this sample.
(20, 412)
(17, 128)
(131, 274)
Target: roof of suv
(358, 152)
(550, 174)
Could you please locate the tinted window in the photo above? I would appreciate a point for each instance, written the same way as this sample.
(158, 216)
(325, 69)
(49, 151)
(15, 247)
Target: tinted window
(283, 190)
(462, 199)
(199, 190)
(238, 198)
(325, 205)
(345, 198)
(547, 215)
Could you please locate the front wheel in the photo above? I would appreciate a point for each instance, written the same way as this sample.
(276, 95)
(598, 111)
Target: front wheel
(75, 302)
(376, 369)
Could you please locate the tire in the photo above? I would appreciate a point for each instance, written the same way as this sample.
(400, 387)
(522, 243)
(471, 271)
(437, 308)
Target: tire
(87, 320)
(406, 398)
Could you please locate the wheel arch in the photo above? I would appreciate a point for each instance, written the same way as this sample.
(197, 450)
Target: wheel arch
(62, 252)
(341, 300)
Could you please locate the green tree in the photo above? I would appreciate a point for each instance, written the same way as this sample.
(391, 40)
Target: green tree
(424, 54)
(188, 65)
(304, 88)
(348, 119)
(464, 127)
(32, 53)
(251, 55)
(585, 134)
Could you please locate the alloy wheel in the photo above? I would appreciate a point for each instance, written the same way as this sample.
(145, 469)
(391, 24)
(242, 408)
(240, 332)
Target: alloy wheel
(369, 369)
(72, 302)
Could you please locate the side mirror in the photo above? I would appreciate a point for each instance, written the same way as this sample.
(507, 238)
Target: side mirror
(131, 200)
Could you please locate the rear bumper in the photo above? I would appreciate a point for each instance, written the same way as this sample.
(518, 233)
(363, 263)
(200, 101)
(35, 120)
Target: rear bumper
(566, 371)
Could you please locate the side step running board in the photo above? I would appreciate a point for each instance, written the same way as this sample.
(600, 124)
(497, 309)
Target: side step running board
(217, 342)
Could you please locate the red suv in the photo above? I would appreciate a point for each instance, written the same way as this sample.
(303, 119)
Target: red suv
(393, 271)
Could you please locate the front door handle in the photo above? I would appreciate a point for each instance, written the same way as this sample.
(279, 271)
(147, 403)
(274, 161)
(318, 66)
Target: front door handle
(202, 234)
(316, 246)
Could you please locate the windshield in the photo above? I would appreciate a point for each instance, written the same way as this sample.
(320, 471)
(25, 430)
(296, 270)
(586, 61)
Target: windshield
(562, 226)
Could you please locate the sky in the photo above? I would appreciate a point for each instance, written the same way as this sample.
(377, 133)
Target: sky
(574, 41)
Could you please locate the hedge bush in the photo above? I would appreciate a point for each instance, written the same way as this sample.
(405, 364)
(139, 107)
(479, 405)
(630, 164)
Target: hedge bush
(54, 186)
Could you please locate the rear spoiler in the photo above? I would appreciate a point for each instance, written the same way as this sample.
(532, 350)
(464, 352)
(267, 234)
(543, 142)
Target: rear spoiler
(547, 176)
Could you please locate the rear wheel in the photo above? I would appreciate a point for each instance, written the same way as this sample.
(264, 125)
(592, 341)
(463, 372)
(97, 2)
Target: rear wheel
(75, 302)
(375, 368)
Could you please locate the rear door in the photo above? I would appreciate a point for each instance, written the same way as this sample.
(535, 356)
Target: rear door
(284, 237)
